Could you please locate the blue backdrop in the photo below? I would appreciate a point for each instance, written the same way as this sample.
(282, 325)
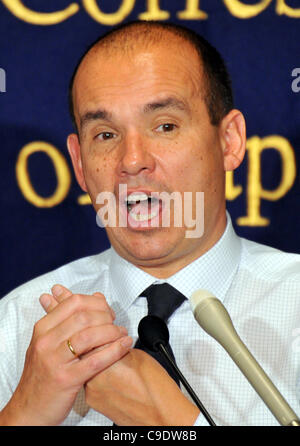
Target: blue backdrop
(46, 220)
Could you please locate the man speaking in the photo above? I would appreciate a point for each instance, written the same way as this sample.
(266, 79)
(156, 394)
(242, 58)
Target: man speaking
(154, 118)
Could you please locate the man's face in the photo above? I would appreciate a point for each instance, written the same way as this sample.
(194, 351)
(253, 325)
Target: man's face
(143, 123)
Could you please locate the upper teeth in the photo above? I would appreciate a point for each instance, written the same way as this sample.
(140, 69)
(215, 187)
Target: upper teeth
(134, 197)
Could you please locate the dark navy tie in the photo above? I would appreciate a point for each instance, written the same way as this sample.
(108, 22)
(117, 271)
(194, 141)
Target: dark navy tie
(163, 300)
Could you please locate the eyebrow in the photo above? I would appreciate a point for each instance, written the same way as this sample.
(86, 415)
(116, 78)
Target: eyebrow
(170, 102)
(97, 115)
(102, 114)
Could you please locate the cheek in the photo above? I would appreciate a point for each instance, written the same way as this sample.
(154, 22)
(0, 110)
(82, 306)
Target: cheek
(202, 171)
(193, 169)
(98, 175)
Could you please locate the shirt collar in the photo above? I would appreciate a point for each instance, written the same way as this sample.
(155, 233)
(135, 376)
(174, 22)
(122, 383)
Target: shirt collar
(213, 271)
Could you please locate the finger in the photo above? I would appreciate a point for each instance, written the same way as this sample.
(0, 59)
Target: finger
(60, 292)
(89, 339)
(76, 323)
(77, 303)
(89, 366)
(111, 310)
(48, 302)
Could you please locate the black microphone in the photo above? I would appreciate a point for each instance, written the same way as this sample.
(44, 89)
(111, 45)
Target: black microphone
(154, 334)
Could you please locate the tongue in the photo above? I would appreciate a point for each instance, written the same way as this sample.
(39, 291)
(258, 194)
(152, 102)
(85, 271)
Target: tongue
(141, 207)
(145, 207)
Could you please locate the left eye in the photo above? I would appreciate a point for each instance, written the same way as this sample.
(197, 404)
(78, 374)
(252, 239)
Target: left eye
(166, 127)
(103, 136)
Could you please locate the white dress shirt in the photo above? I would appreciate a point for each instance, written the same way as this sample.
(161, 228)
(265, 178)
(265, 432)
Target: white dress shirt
(259, 286)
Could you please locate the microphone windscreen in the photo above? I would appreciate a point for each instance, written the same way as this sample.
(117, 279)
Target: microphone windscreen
(153, 331)
(198, 297)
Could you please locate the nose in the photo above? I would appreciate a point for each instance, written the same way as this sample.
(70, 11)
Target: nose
(135, 155)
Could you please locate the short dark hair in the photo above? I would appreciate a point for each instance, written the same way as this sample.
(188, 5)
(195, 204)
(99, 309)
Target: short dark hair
(218, 95)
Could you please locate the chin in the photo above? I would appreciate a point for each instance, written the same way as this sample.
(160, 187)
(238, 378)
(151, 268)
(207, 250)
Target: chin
(146, 247)
(149, 254)
(145, 251)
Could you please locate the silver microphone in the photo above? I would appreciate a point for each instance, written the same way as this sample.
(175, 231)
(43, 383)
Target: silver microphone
(213, 317)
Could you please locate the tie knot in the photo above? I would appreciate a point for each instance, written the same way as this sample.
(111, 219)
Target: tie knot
(163, 300)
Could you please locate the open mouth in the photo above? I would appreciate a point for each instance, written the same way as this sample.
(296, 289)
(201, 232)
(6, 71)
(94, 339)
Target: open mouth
(142, 207)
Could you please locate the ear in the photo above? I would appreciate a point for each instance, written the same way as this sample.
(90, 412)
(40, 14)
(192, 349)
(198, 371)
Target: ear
(74, 151)
(233, 139)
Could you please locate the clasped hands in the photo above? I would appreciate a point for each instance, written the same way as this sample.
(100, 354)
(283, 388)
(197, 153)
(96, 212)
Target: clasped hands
(126, 385)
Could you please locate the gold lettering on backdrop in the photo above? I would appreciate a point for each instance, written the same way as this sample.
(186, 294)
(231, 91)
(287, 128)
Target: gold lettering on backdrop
(192, 11)
(84, 199)
(232, 191)
(61, 169)
(17, 8)
(255, 191)
(242, 11)
(114, 18)
(154, 12)
(283, 8)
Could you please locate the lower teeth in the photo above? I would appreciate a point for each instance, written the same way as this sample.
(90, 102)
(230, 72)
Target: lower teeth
(143, 217)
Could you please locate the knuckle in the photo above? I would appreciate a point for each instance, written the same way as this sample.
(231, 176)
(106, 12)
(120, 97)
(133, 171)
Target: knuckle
(77, 299)
(37, 329)
(82, 318)
(100, 296)
(102, 301)
(83, 338)
(95, 363)
(61, 378)
(41, 345)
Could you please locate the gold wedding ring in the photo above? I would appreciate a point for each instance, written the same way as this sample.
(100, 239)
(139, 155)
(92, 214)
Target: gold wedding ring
(71, 348)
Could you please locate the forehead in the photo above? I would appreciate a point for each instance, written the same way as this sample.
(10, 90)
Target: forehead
(133, 76)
